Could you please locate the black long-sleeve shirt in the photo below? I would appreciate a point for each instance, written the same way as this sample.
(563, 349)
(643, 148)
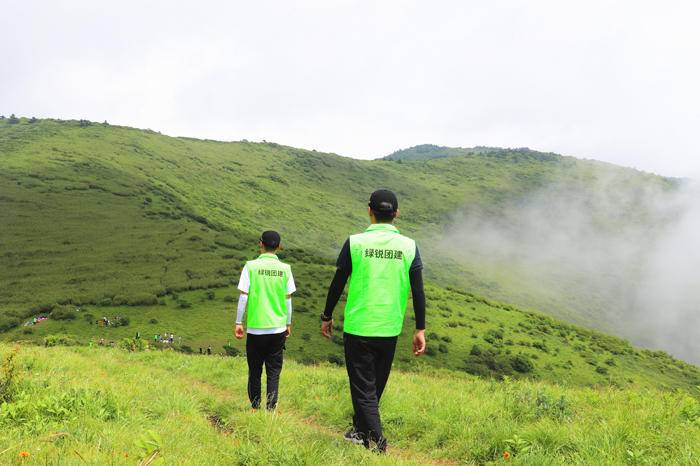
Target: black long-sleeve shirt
(344, 264)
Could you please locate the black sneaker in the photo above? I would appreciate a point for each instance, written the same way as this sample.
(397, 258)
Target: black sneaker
(376, 447)
(354, 436)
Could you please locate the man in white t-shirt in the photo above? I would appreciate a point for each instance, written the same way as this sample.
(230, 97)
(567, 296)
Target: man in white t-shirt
(266, 287)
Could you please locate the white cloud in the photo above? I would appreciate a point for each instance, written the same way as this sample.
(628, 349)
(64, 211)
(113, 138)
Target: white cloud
(609, 80)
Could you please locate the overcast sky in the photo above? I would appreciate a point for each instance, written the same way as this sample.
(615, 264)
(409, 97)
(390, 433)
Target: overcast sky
(615, 81)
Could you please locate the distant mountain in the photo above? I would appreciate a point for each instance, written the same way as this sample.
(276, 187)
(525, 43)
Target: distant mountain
(431, 151)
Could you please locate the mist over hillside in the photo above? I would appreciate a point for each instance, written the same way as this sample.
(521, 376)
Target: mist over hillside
(630, 250)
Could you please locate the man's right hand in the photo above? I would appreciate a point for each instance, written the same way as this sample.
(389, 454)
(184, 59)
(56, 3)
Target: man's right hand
(327, 329)
(239, 331)
(419, 342)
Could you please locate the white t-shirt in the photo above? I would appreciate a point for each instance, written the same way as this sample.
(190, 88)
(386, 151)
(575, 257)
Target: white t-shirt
(244, 285)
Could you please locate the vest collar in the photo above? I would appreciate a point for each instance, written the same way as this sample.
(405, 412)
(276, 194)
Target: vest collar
(268, 255)
(382, 227)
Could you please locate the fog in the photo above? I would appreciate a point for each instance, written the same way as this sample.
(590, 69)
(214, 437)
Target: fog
(620, 255)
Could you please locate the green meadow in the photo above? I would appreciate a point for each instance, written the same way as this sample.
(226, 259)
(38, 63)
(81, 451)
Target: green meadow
(86, 405)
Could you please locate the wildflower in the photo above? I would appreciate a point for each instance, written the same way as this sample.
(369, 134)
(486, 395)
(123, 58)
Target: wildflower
(506, 455)
(23, 454)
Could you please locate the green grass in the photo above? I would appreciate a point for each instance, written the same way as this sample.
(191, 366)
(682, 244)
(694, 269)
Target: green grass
(465, 333)
(94, 405)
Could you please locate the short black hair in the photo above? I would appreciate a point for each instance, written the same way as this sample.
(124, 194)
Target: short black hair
(384, 217)
(270, 240)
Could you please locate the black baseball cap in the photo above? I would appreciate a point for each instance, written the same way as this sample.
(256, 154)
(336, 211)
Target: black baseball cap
(383, 200)
(270, 239)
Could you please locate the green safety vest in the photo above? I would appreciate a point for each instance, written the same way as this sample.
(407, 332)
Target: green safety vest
(268, 292)
(379, 284)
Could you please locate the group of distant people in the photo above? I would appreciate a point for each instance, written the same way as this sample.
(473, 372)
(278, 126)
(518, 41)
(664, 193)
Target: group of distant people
(106, 322)
(37, 320)
(166, 338)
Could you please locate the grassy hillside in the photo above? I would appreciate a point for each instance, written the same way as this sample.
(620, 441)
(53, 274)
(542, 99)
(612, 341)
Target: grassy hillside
(97, 210)
(123, 222)
(101, 406)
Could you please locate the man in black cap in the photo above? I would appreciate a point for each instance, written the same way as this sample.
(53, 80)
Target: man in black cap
(382, 265)
(266, 287)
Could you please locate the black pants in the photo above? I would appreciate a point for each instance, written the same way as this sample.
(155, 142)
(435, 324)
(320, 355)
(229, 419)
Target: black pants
(268, 350)
(368, 361)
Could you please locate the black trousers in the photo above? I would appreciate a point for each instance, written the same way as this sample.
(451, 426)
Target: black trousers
(368, 361)
(267, 350)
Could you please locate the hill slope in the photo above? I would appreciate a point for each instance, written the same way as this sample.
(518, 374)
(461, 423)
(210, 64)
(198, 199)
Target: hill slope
(100, 406)
(118, 220)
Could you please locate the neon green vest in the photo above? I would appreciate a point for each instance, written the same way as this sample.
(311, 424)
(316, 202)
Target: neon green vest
(268, 292)
(379, 284)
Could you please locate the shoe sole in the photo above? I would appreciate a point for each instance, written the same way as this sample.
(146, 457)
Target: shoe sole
(355, 441)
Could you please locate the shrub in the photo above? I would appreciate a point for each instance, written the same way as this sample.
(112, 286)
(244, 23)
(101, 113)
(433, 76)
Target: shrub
(153, 321)
(7, 323)
(7, 376)
(335, 359)
(132, 344)
(183, 304)
(522, 364)
(430, 351)
(27, 330)
(446, 339)
(60, 340)
(62, 313)
(89, 318)
(211, 295)
(142, 299)
(231, 350)
(442, 347)
(602, 370)
(305, 337)
(228, 298)
(119, 300)
(187, 349)
(475, 351)
(124, 321)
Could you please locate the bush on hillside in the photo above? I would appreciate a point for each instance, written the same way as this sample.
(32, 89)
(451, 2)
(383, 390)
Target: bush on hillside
(62, 313)
(228, 298)
(142, 299)
(335, 359)
(183, 304)
(7, 323)
(522, 364)
(231, 350)
(132, 345)
(60, 340)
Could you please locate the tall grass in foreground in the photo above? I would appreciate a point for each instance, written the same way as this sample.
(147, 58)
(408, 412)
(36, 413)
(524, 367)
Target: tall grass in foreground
(105, 406)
